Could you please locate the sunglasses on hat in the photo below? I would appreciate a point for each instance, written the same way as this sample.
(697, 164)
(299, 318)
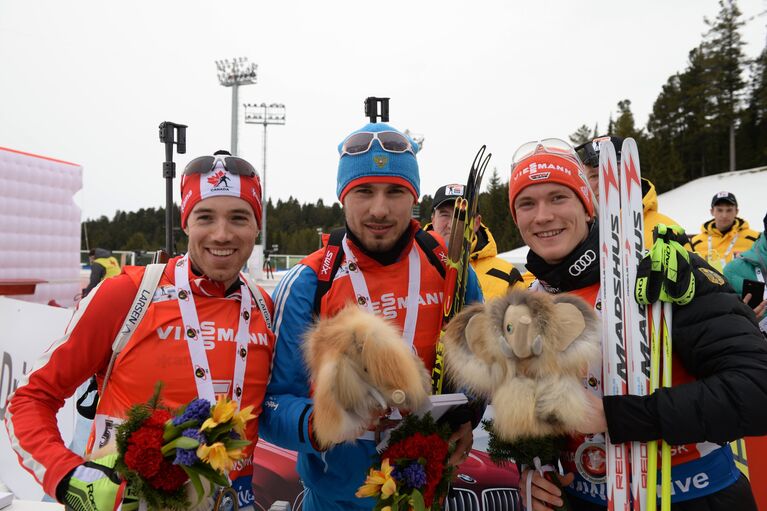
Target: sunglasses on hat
(233, 164)
(391, 141)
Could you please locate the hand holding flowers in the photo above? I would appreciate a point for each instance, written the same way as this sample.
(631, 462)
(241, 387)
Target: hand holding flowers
(158, 453)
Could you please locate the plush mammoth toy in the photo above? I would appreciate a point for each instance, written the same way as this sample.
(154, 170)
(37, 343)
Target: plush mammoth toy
(528, 353)
(359, 367)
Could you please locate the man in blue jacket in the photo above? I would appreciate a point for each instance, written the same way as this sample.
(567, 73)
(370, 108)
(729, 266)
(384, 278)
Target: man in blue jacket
(395, 269)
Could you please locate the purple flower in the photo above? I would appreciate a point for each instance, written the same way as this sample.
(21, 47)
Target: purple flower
(414, 476)
(193, 433)
(186, 457)
(197, 409)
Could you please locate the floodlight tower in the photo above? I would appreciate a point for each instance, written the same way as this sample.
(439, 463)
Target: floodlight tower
(264, 114)
(233, 73)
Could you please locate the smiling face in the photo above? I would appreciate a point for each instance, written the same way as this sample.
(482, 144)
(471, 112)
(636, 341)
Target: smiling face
(378, 214)
(551, 219)
(222, 233)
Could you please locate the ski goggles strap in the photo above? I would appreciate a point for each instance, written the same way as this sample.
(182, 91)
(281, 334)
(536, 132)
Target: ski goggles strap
(233, 165)
(390, 141)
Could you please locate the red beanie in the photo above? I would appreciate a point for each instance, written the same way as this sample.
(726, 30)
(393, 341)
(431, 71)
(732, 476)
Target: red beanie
(546, 166)
(219, 182)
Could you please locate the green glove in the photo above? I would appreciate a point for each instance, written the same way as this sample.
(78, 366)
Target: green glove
(93, 486)
(665, 273)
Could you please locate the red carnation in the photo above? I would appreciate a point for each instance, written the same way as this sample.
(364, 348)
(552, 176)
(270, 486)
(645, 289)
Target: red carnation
(143, 453)
(169, 477)
(158, 418)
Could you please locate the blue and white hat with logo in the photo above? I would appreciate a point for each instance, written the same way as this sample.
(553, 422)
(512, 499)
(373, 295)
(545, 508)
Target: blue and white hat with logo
(388, 157)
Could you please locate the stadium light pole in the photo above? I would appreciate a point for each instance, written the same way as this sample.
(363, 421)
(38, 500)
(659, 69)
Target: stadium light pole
(265, 115)
(233, 73)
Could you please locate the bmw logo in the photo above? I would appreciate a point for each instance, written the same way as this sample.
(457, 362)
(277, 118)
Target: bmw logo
(467, 479)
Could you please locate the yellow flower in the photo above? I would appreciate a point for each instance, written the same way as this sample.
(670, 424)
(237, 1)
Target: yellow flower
(379, 481)
(241, 418)
(222, 412)
(218, 457)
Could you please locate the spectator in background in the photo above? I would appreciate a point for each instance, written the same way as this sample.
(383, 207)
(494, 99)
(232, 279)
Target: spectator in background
(496, 276)
(751, 265)
(725, 235)
(103, 266)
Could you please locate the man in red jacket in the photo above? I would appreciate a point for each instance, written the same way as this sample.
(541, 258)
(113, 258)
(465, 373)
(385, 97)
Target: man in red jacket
(202, 310)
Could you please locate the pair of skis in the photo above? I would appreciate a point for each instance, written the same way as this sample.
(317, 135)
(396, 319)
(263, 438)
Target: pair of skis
(459, 250)
(627, 364)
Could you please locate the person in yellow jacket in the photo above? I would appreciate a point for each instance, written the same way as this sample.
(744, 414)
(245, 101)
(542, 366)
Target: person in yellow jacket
(103, 266)
(496, 276)
(724, 236)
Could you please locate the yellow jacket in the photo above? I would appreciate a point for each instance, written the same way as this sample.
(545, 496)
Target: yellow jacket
(719, 249)
(496, 276)
(111, 266)
(651, 215)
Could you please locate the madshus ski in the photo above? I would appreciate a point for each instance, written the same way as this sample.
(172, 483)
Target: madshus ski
(615, 358)
(632, 215)
(626, 350)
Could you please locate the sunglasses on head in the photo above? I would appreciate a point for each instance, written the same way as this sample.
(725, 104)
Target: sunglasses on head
(233, 164)
(548, 145)
(391, 141)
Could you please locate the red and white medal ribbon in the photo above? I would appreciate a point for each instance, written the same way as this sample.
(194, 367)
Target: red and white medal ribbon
(362, 294)
(196, 345)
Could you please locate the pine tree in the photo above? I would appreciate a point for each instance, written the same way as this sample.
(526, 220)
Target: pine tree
(581, 135)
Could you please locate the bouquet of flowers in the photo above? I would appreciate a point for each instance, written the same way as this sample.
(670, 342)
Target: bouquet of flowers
(413, 473)
(158, 452)
(540, 453)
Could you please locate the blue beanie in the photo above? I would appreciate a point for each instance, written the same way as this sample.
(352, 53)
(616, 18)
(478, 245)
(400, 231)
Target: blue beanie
(401, 168)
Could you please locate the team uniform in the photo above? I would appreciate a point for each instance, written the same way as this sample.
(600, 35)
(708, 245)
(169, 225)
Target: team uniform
(717, 354)
(407, 290)
(720, 248)
(156, 351)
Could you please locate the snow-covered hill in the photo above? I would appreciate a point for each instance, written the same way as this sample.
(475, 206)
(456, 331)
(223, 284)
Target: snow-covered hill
(690, 203)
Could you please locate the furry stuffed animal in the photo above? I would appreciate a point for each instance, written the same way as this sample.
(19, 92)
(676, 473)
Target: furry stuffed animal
(528, 352)
(360, 366)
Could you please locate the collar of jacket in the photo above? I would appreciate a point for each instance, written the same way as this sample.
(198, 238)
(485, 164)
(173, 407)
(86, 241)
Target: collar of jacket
(392, 255)
(709, 228)
(576, 271)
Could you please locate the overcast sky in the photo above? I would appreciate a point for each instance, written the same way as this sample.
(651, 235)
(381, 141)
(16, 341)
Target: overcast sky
(89, 81)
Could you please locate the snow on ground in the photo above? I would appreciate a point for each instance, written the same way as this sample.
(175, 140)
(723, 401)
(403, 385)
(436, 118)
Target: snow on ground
(690, 204)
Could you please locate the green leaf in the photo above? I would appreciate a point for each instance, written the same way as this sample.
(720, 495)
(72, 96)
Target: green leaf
(210, 474)
(236, 444)
(195, 482)
(182, 442)
(172, 431)
(416, 500)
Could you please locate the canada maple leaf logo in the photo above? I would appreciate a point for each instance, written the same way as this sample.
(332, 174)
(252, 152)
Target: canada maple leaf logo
(218, 179)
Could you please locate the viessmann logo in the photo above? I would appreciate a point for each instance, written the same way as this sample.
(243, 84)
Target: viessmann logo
(582, 263)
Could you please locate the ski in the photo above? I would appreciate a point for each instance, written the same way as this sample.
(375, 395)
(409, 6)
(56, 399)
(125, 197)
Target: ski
(458, 253)
(638, 348)
(615, 363)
